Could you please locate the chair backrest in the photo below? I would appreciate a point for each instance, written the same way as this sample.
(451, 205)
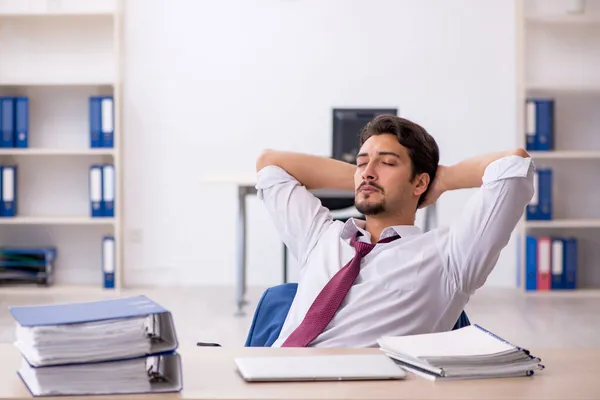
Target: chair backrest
(272, 309)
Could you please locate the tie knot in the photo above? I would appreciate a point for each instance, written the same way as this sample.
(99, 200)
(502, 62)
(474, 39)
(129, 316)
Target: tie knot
(363, 248)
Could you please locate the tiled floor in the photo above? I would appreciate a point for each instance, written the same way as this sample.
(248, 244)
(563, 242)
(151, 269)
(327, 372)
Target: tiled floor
(207, 313)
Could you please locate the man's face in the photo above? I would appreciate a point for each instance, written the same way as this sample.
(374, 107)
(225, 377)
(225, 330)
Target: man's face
(382, 177)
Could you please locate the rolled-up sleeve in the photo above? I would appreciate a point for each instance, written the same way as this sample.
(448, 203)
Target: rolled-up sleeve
(298, 215)
(478, 236)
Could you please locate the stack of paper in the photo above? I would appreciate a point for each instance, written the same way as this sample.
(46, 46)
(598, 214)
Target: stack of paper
(108, 347)
(467, 353)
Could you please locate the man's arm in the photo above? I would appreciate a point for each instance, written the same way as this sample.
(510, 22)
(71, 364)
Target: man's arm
(283, 183)
(478, 236)
(314, 172)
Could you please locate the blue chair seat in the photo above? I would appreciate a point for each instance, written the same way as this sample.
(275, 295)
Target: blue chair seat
(272, 309)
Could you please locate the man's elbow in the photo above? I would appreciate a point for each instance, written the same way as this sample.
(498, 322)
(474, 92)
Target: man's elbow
(267, 157)
(521, 152)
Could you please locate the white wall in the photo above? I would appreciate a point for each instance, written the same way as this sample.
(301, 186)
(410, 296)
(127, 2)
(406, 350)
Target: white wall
(209, 84)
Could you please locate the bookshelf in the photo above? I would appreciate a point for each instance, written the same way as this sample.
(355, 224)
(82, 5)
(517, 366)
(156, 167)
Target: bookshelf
(557, 58)
(58, 53)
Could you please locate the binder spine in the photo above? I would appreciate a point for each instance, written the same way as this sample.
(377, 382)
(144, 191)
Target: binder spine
(571, 260)
(532, 210)
(22, 122)
(531, 263)
(8, 207)
(545, 197)
(530, 125)
(108, 190)
(7, 123)
(107, 121)
(544, 263)
(545, 124)
(95, 122)
(557, 264)
(96, 207)
(108, 262)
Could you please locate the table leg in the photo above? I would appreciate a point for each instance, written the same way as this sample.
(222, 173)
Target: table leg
(241, 252)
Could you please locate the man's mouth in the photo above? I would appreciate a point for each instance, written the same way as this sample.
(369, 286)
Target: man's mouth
(368, 189)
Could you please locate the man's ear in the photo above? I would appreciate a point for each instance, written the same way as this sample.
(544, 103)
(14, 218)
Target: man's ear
(422, 183)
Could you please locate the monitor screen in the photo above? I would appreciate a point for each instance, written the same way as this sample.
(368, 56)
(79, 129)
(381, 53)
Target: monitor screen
(347, 124)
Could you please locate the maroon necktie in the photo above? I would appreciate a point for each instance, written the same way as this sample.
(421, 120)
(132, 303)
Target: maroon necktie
(328, 301)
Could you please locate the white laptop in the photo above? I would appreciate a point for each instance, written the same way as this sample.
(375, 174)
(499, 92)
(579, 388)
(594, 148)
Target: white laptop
(321, 368)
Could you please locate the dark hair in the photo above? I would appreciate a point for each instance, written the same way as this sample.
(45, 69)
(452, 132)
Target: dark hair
(422, 147)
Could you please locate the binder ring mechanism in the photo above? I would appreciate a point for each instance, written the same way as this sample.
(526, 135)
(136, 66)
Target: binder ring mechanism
(155, 369)
(153, 328)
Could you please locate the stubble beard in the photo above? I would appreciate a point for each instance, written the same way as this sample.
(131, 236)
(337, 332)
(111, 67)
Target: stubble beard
(366, 208)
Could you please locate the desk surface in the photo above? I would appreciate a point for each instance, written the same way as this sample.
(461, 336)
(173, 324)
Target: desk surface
(209, 373)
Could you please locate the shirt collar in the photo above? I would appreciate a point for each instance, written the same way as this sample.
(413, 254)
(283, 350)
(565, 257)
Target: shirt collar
(354, 225)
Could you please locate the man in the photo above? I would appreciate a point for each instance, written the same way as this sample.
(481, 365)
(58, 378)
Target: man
(350, 292)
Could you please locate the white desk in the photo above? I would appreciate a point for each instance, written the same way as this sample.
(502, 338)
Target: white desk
(210, 373)
(245, 184)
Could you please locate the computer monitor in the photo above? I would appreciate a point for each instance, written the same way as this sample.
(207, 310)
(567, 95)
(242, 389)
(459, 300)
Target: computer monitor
(347, 124)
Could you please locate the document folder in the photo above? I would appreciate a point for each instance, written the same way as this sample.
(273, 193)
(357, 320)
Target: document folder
(95, 122)
(7, 122)
(153, 374)
(96, 202)
(108, 262)
(21, 122)
(97, 331)
(8, 206)
(108, 190)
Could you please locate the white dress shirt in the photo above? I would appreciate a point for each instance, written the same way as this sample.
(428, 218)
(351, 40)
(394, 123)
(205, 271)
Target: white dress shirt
(419, 283)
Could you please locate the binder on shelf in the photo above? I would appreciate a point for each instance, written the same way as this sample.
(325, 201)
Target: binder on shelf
(557, 264)
(21, 122)
(8, 206)
(541, 205)
(108, 262)
(532, 209)
(544, 263)
(570, 263)
(539, 124)
(96, 207)
(108, 190)
(107, 121)
(95, 122)
(531, 263)
(7, 122)
(545, 197)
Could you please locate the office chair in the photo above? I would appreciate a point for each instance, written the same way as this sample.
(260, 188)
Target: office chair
(272, 309)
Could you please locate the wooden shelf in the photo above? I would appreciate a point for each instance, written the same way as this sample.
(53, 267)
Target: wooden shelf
(57, 152)
(576, 293)
(565, 223)
(25, 220)
(566, 155)
(55, 82)
(565, 19)
(564, 89)
(59, 290)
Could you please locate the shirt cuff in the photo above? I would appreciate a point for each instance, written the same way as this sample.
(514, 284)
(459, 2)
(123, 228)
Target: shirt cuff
(270, 176)
(508, 167)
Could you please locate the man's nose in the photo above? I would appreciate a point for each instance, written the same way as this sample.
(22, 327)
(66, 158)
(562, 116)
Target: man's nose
(369, 173)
